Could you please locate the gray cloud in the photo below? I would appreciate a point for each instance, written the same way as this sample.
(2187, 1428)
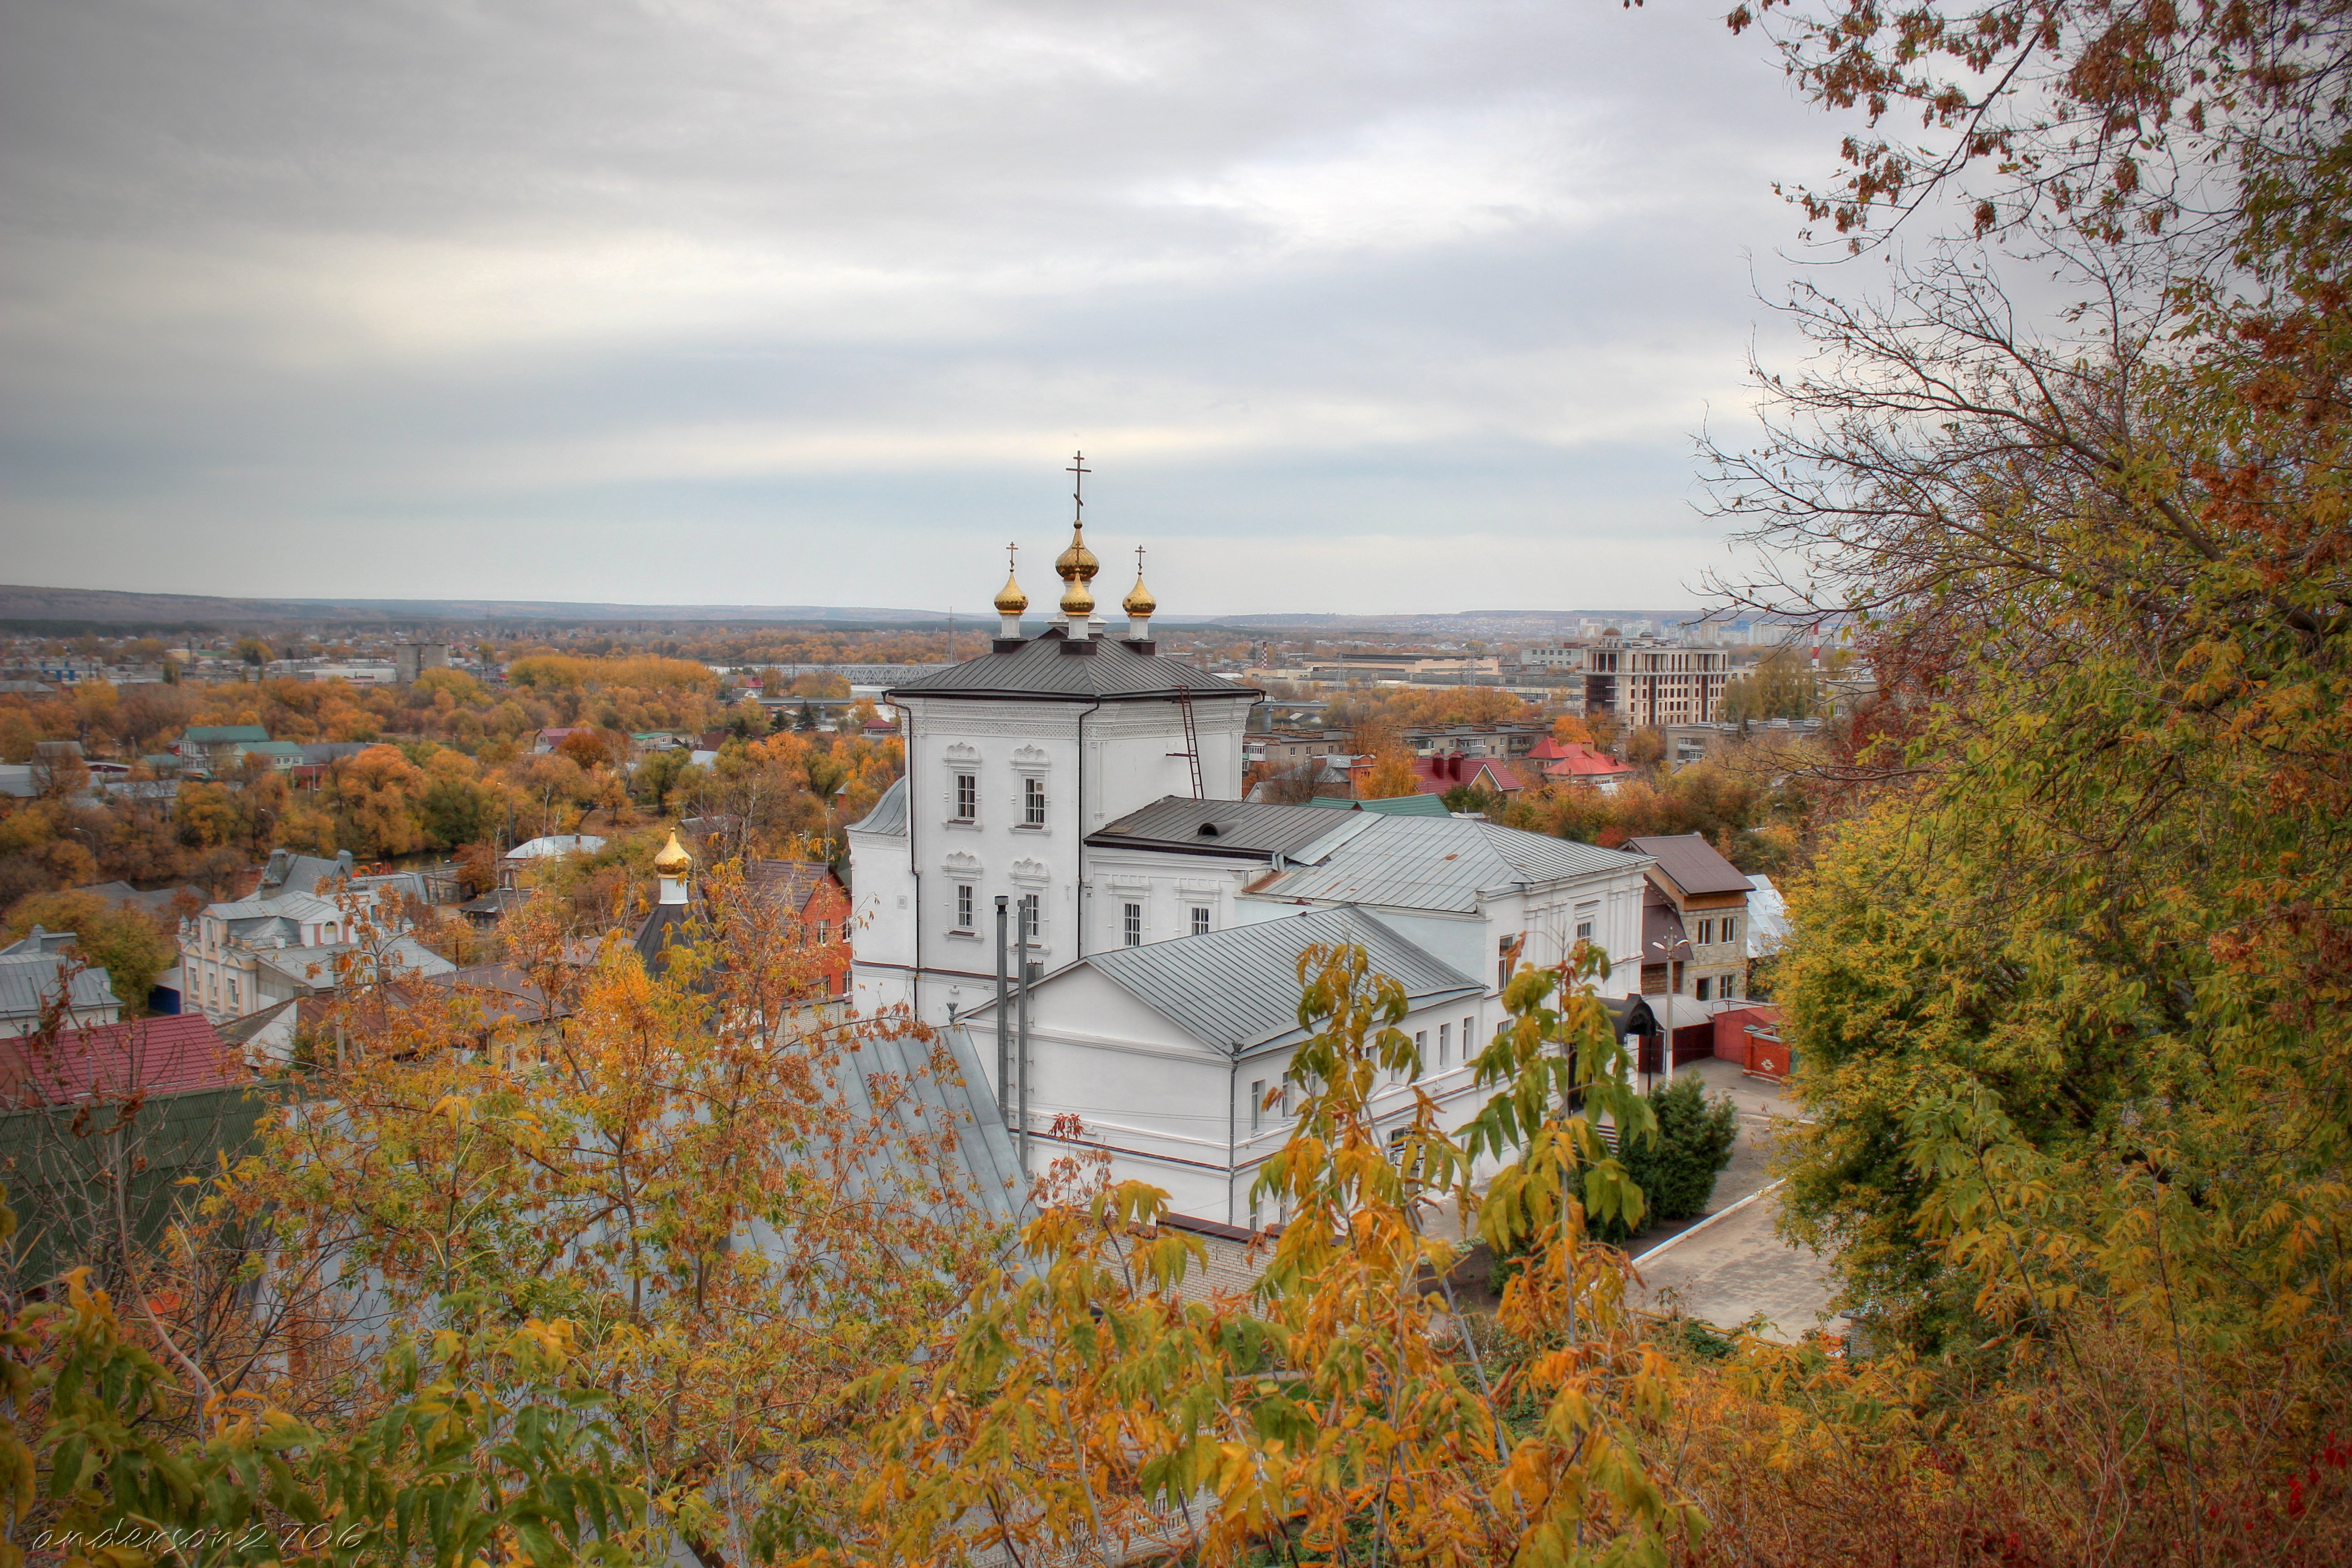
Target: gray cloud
(1366, 305)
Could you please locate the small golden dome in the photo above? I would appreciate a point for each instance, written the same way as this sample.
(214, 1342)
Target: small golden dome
(673, 861)
(1010, 599)
(1075, 600)
(1138, 601)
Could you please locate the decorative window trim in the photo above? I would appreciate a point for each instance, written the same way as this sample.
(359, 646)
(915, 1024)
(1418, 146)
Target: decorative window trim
(963, 752)
(962, 864)
(1031, 872)
(1031, 759)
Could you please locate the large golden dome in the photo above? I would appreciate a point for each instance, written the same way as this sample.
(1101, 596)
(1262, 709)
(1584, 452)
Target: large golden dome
(673, 861)
(1077, 561)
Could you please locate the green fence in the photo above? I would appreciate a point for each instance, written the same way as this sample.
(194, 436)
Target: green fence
(90, 1181)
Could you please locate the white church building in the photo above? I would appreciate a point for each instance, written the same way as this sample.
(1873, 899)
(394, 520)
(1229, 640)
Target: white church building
(1093, 787)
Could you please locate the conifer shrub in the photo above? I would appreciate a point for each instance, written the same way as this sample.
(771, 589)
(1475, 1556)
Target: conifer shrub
(1676, 1174)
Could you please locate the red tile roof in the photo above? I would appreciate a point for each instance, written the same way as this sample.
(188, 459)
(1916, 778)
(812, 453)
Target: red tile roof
(1447, 771)
(146, 1055)
(1575, 760)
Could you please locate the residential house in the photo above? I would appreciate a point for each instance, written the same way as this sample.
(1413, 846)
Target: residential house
(1503, 741)
(1447, 772)
(116, 1061)
(814, 896)
(1707, 899)
(308, 927)
(210, 749)
(41, 971)
(1575, 762)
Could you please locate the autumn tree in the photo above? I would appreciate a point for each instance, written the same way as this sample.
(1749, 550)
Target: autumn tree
(2067, 983)
(374, 796)
(1390, 775)
(133, 950)
(703, 1172)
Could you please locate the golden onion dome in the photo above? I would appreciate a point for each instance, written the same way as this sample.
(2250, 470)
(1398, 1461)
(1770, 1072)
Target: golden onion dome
(1076, 601)
(673, 861)
(1138, 601)
(1077, 562)
(1010, 599)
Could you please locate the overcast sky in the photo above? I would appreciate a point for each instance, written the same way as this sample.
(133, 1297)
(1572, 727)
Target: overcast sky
(1363, 306)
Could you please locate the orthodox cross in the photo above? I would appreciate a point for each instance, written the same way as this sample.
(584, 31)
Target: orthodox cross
(1009, 550)
(1078, 467)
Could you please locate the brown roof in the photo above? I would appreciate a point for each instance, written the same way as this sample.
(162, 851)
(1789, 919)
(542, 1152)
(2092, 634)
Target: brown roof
(1691, 863)
(791, 882)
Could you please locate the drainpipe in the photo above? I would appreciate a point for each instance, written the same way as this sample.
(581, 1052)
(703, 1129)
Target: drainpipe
(914, 867)
(1003, 1024)
(1232, 1129)
(1021, 928)
(1079, 895)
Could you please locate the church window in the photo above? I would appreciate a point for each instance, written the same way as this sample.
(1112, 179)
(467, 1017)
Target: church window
(1200, 921)
(1257, 1104)
(1030, 921)
(1444, 1044)
(1033, 802)
(1469, 1033)
(963, 906)
(967, 797)
(1132, 924)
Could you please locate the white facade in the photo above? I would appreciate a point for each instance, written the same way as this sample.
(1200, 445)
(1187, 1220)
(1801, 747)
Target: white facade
(999, 794)
(1186, 1115)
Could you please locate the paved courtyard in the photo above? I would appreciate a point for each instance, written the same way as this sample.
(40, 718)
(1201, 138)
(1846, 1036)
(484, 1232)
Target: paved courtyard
(1735, 1268)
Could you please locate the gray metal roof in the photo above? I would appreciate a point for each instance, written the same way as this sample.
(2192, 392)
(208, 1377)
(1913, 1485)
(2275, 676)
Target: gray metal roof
(889, 814)
(1243, 828)
(29, 982)
(1438, 863)
(1040, 668)
(1237, 988)
(1397, 805)
(924, 1104)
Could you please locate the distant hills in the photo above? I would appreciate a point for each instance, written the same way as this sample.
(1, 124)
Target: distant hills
(107, 609)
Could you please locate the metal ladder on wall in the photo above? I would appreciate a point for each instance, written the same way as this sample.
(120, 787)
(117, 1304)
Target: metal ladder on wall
(1191, 753)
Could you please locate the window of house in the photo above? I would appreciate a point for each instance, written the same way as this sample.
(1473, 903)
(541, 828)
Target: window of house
(1730, 987)
(1702, 988)
(967, 797)
(965, 900)
(1033, 802)
(1586, 917)
(1444, 1044)
(1132, 924)
(1257, 1104)
(1030, 916)
(1731, 928)
(1285, 1098)
(1420, 1045)
(824, 929)
(1705, 932)
(1200, 921)
(1469, 1035)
